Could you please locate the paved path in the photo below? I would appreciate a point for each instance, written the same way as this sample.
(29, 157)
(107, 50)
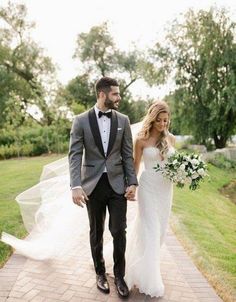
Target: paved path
(73, 280)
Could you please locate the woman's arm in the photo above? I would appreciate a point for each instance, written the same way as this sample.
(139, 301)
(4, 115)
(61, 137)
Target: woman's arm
(138, 152)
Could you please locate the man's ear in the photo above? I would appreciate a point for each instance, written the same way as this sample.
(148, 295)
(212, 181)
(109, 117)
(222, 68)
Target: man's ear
(102, 94)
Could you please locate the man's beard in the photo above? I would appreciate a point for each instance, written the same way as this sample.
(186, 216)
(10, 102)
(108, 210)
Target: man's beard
(109, 104)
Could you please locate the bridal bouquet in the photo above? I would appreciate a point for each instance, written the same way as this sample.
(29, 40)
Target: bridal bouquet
(184, 169)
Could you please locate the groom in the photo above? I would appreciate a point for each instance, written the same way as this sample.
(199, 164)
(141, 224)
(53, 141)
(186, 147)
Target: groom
(103, 177)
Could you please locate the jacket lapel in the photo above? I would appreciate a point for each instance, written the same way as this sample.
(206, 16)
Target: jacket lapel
(95, 130)
(113, 131)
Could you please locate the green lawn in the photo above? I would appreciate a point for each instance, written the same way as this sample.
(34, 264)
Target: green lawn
(205, 222)
(16, 176)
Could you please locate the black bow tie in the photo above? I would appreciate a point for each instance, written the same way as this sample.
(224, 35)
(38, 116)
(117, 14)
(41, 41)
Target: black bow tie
(108, 114)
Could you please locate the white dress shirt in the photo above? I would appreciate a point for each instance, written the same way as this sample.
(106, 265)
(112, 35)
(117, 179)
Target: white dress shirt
(104, 124)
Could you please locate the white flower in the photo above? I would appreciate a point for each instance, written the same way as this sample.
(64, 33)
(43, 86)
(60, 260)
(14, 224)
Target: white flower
(182, 167)
(201, 172)
(194, 175)
(194, 162)
(175, 179)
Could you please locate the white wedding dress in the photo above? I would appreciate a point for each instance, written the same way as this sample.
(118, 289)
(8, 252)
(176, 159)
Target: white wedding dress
(147, 234)
(55, 224)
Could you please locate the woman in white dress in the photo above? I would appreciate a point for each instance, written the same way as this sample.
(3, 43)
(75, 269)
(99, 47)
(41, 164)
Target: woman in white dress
(154, 143)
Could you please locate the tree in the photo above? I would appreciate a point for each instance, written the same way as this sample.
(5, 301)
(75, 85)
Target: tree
(25, 72)
(96, 50)
(100, 57)
(81, 91)
(200, 57)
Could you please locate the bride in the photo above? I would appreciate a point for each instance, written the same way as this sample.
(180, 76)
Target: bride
(154, 143)
(49, 215)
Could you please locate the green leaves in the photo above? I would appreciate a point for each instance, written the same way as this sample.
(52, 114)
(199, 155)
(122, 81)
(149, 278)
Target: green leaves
(97, 49)
(24, 69)
(203, 53)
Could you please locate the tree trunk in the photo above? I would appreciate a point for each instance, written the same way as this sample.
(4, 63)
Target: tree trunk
(220, 141)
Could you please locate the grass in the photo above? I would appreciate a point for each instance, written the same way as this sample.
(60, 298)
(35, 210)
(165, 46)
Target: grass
(205, 222)
(16, 176)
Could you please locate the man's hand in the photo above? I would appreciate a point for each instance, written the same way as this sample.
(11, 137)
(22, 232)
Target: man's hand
(130, 193)
(79, 197)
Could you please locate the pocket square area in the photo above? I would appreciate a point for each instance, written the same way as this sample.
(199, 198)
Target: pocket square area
(119, 129)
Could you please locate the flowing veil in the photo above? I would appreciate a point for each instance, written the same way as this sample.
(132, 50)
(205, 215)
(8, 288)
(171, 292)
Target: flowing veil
(53, 221)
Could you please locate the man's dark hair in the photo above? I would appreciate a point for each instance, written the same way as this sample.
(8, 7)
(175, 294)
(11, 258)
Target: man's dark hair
(104, 84)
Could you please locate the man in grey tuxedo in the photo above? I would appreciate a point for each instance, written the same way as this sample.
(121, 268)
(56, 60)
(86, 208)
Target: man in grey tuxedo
(102, 176)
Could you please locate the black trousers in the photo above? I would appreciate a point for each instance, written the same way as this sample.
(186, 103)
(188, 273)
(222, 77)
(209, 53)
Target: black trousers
(101, 198)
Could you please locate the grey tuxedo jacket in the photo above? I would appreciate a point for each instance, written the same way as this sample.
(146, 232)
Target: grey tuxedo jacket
(86, 155)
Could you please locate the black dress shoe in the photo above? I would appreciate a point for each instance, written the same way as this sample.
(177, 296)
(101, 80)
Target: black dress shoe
(121, 287)
(102, 283)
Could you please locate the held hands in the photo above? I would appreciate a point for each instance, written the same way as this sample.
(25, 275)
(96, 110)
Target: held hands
(130, 193)
(79, 197)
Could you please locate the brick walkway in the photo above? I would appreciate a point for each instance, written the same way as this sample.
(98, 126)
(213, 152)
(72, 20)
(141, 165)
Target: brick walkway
(73, 279)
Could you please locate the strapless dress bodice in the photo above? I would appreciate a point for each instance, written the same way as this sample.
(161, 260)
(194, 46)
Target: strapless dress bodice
(151, 156)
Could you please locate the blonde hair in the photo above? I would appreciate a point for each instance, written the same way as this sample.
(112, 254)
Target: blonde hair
(154, 110)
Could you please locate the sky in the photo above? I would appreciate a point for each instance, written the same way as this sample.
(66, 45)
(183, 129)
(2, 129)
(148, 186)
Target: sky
(58, 23)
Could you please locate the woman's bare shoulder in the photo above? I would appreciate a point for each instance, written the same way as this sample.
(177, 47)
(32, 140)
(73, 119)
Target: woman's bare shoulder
(139, 142)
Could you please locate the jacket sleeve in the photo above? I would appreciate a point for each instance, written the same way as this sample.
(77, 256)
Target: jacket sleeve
(76, 152)
(127, 155)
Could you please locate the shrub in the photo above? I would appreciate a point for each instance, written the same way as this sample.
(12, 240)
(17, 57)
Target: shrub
(8, 151)
(34, 140)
